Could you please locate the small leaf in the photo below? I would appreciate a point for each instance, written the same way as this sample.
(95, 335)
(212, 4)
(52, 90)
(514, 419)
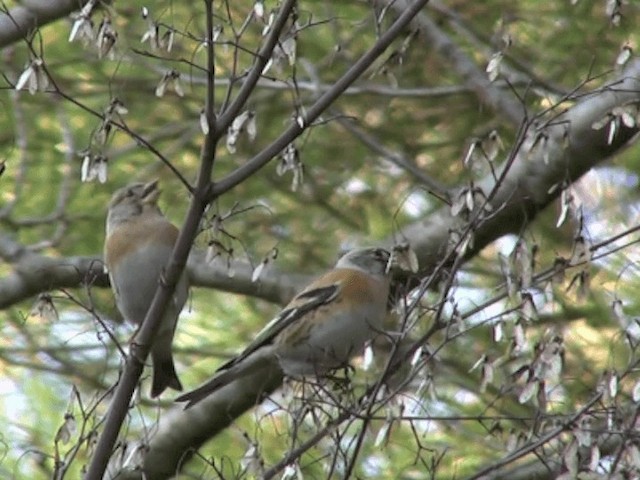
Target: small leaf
(162, 86)
(45, 309)
(618, 310)
(167, 40)
(488, 371)
(529, 391)
(417, 356)
(292, 472)
(177, 86)
(258, 9)
(624, 55)
(170, 78)
(252, 129)
(635, 393)
(570, 457)
(101, 169)
(613, 128)
(599, 124)
(612, 10)
(566, 201)
(257, 272)
(632, 453)
(626, 114)
(480, 361)
(470, 199)
(404, 257)
(251, 462)
(25, 77)
(66, 430)
(82, 29)
(267, 27)
(290, 161)
(84, 171)
(106, 39)
(204, 123)
(217, 31)
(492, 145)
(613, 384)
(267, 66)
(116, 106)
(519, 337)
(472, 153)
(512, 441)
(528, 306)
(135, 456)
(582, 433)
(94, 167)
(459, 203)
(594, 457)
(368, 357)
(493, 67)
(498, 331)
(289, 48)
(383, 434)
(581, 251)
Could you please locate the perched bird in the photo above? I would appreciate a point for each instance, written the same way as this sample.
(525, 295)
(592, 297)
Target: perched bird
(321, 328)
(138, 244)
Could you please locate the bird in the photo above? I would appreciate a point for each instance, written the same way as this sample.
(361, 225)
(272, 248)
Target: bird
(321, 329)
(138, 244)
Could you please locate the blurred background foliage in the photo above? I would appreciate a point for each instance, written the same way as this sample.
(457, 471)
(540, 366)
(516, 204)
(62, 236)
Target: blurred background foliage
(412, 102)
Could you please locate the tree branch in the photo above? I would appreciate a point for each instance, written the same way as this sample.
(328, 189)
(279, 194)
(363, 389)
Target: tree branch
(475, 78)
(18, 22)
(325, 100)
(572, 147)
(522, 192)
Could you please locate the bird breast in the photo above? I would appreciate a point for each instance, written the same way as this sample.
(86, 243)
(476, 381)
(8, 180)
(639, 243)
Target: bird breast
(329, 336)
(135, 261)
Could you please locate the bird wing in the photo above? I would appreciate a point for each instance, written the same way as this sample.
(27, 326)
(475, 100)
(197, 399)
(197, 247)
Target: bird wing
(253, 357)
(306, 301)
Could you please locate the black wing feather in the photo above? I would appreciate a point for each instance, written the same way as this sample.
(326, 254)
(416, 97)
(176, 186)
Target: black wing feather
(315, 298)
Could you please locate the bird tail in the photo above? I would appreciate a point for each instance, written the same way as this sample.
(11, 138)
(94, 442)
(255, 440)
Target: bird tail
(164, 372)
(228, 373)
(207, 388)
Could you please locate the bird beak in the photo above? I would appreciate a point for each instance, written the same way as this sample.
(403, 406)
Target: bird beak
(151, 192)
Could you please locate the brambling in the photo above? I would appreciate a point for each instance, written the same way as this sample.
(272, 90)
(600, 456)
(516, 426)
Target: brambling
(321, 328)
(139, 242)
